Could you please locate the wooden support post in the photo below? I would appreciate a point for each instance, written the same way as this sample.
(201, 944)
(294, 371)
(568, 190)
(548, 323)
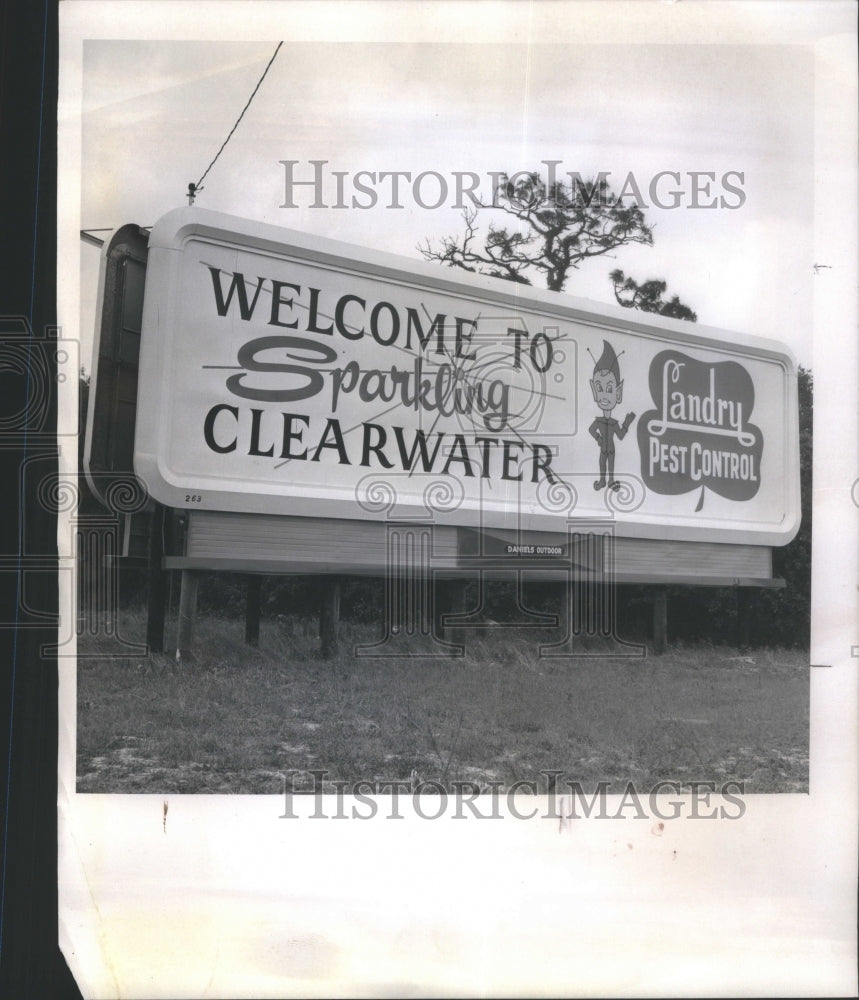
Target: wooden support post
(457, 596)
(156, 583)
(252, 609)
(449, 600)
(440, 605)
(187, 614)
(329, 616)
(660, 620)
(744, 616)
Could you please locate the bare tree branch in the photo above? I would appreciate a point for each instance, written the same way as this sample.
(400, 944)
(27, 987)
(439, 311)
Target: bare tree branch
(559, 228)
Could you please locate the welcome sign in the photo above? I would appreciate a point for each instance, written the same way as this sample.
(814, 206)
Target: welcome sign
(286, 374)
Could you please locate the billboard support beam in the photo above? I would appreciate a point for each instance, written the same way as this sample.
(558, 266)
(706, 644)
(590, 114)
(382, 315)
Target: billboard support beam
(450, 600)
(252, 610)
(187, 613)
(660, 620)
(744, 597)
(156, 583)
(329, 616)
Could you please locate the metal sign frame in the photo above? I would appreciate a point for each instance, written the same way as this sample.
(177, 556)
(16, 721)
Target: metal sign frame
(195, 303)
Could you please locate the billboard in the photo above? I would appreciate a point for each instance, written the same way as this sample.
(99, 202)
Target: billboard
(282, 373)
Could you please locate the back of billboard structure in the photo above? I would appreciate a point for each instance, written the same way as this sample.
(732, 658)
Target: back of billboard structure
(286, 374)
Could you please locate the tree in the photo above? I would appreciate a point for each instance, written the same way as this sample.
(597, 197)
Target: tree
(776, 617)
(647, 297)
(785, 615)
(560, 226)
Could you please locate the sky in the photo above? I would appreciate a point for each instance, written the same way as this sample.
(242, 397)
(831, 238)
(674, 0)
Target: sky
(155, 112)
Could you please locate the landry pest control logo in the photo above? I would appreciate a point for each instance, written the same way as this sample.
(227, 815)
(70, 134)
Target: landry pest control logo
(699, 435)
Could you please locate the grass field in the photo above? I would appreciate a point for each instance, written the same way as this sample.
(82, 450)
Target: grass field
(237, 719)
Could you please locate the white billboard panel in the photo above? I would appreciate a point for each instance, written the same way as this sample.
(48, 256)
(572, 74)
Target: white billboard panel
(287, 374)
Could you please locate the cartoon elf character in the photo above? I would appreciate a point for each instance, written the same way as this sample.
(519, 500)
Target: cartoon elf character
(607, 388)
